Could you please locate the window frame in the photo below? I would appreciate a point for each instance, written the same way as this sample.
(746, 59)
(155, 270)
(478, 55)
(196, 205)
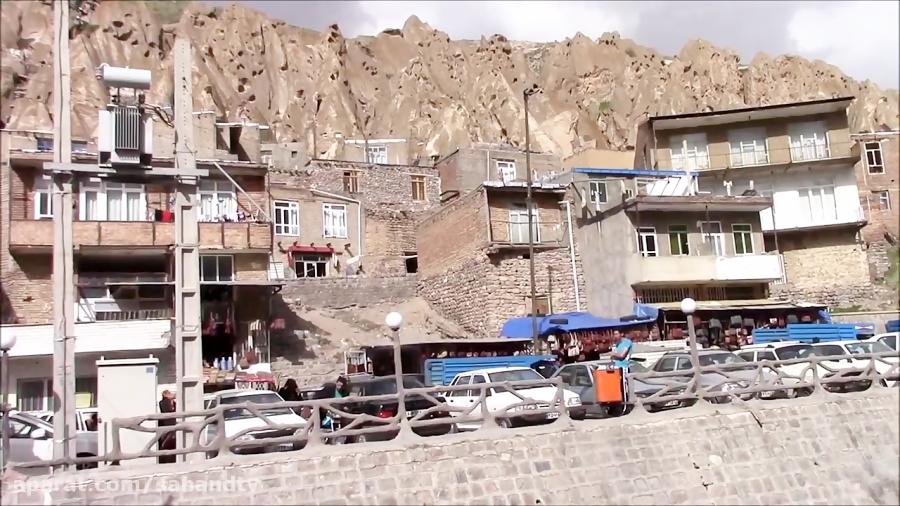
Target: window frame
(46, 400)
(218, 268)
(687, 240)
(594, 194)
(350, 181)
(43, 189)
(867, 149)
(745, 234)
(760, 145)
(683, 153)
(642, 234)
(796, 133)
(311, 259)
(884, 199)
(102, 189)
(810, 192)
(377, 153)
(503, 166)
(291, 209)
(215, 193)
(521, 212)
(718, 238)
(333, 232)
(418, 184)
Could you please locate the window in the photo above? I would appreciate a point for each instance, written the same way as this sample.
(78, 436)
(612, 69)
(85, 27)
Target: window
(598, 192)
(111, 201)
(43, 197)
(647, 241)
(884, 199)
(377, 154)
(541, 305)
(808, 141)
(287, 218)
(334, 219)
(629, 193)
(678, 240)
(518, 225)
(874, 161)
(34, 394)
(44, 143)
(311, 266)
(216, 268)
(666, 364)
(461, 381)
(351, 181)
(217, 201)
(743, 239)
(85, 392)
(583, 377)
(689, 152)
(748, 147)
(506, 170)
(711, 232)
(418, 188)
(817, 204)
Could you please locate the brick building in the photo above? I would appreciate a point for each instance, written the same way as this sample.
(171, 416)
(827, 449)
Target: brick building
(392, 198)
(466, 168)
(799, 154)
(123, 237)
(473, 256)
(879, 183)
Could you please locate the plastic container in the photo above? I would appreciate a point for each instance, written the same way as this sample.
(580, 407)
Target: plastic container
(608, 385)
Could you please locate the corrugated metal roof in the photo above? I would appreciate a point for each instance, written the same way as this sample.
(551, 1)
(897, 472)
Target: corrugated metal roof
(33, 340)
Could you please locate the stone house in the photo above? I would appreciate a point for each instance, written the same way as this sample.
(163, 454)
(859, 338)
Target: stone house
(474, 263)
(123, 237)
(879, 183)
(466, 168)
(800, 155)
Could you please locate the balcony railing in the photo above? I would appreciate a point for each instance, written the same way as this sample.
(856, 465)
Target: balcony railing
(689, 268)
(226, 235)
(810, 150)
(748, 156)
(690, 160)
(515, 233)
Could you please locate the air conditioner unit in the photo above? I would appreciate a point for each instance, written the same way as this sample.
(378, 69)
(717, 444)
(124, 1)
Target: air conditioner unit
(125, 136)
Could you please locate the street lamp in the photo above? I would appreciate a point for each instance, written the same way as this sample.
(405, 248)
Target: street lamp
(7, 342)
(394, 320)
(688, 306)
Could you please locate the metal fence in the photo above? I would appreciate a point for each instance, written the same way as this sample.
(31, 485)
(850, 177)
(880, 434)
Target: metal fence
(715, 383)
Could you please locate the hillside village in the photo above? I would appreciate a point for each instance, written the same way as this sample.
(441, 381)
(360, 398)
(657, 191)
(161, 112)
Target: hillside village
(311, 231)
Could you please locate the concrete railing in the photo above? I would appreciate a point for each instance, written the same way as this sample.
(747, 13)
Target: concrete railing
(690, 387)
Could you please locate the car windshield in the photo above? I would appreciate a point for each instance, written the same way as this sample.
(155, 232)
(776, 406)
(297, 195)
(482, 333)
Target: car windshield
(794, 352)
(830, 350)
(384, 386)
(261, 398)
(867, 347)
(724, 359)
(515, 375)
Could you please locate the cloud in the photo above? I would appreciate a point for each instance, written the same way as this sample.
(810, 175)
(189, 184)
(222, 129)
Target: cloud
(860, 38)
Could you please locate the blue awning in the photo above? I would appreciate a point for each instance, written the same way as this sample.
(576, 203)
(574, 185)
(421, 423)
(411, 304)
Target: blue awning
(575, 321)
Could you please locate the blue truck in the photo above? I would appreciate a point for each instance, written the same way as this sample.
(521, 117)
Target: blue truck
(808, 332)
(441, 371)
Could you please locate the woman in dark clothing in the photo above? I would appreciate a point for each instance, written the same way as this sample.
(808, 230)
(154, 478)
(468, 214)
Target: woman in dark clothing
(167, 442)
(290, 391)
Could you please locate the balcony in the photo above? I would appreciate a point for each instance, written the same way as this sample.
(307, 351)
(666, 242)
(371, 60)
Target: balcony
(514, 234)
(98, 337)
(810, 150)
(37, 235)
(700, 269)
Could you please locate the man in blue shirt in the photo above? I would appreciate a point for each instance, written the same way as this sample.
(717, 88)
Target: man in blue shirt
(621, 357)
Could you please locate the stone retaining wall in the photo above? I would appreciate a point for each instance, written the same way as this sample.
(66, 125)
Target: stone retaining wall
(823, 449)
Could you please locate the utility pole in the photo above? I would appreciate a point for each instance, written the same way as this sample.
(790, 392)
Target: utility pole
(188, 344)
(63, 267)
(529, 208)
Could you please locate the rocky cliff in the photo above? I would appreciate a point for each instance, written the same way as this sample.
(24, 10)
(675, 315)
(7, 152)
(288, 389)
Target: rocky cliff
(413, 82)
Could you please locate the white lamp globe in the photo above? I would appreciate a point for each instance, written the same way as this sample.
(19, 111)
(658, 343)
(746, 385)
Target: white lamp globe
(393, 320)
(7, 341)
(688, 305)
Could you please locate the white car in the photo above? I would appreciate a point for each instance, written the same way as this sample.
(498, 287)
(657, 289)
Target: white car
(888, 366)
(31, 439)
(240, 419)
(82, 418)
(890, 339)
(499, 399)
(792, 350)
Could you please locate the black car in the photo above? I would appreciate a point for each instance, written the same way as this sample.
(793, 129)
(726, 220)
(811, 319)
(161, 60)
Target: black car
(368, 386)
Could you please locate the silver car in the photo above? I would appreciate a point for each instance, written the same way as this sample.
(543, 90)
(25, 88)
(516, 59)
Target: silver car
(31, 440)
(737, 373)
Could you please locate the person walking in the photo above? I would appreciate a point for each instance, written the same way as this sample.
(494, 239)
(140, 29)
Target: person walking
(167, 441)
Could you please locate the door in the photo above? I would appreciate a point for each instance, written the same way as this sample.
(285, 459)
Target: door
(583, 385)
(25, 446)
(460, 399)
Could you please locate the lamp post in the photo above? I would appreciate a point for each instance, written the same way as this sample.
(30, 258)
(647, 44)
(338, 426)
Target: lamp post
(688, 306)
(7, 341)
(394, 320)
(529, 209)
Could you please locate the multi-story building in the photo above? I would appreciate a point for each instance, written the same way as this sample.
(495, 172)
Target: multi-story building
(879, 183)
(474, 256)
(123, 238)
(649, 237)
(467, 168)
(800, 155)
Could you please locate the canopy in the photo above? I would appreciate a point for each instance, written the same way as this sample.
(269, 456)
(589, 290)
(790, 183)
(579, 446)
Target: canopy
(574, 321)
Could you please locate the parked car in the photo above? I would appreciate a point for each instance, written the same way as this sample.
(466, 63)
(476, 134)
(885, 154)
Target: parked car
(579, 378)
(31, 439)
(836, 352)
(887, 366)
(368, 386)
(738, 373)
(787, 350)
(239, 419)
(890, 339)
(497, 400)
(82, 418)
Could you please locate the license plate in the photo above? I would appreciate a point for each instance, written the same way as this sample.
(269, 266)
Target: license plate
(767, 395)
(552, 415)
(670, 404)
(410, 414)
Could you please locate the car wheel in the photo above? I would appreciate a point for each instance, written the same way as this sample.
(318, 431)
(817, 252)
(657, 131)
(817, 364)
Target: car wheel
(212, 455)
(651, 408)
(361, 438)
(88, 465)
(504, 423)
(453, 429)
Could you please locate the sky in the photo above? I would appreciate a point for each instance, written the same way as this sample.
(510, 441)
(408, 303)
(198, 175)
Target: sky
(859, 37)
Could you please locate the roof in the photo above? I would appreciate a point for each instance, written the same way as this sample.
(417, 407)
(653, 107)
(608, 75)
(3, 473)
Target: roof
(693, 119)
(522, 185)
(602, 171)
(568, 322)
(772, 345)
(695, 203)
(490, 370)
